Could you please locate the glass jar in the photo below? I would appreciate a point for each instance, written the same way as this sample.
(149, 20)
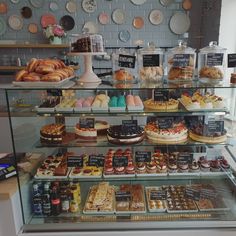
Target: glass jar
(181, 62)
(124, 66)
(212, 63)
(150, 64)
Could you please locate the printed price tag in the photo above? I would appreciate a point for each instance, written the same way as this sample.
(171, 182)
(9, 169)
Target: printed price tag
(165, 122)
(214, 127)
(87, 123)
(96, 160)
(75, 161)
(120, 161)
(231, 60)
(122, 196)
(158, 195)
(192, 193)
(126, 61)
(151, 60)
(161, 95)
(143, 156)
(181, 60)
(215, 59)
(54, 92)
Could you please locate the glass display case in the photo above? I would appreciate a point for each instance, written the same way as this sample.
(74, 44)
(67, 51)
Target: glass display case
(125, 159)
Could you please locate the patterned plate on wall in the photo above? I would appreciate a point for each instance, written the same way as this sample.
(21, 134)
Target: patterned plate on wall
(156, 17)
(47, 19)
(37, 3)
(118, 16)
(67, 22)
(15, 22)
(89, 6)
(138, 2)
(179, 23)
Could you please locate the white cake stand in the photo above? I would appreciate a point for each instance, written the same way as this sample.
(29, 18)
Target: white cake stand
(88, 79)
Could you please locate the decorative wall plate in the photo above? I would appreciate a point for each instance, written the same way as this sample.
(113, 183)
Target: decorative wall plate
(166, 3)
(89, 6)
(37, 3)
(26, 12)
(3, 8)
(3, 26)
(67, 22)
(138, 2)
(103, 18)
(15, 22)
(15, 1)
(138, 22)
(179, 23)
(118, 16)
(71, 6)
(33, 28)
(92, 27)
(156, 17)
(47, 19)
(124, 36)
(53, 6)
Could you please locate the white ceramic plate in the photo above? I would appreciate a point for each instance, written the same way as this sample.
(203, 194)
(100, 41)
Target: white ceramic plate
(118, 16)
(37, 3)
(166, 3)
(53, 6)
(91, 26)
(15, 22)
(156, 17)
(179, 23)
(15, 1)
(103, 18)
(71, 6)
(124, 36)
(3, 26)
(138, 2)
(89, 6)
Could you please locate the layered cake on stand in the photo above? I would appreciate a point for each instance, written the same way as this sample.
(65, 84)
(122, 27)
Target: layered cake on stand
(88, 46)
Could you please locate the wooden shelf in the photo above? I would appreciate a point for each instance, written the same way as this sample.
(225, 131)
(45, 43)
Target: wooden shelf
(34, 45)
(16, 68)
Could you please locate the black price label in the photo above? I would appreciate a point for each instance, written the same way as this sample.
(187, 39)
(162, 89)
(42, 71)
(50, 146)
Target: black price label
(130, 124)
(143, 156)
(161, 95)
(208, 194)
(231, 60)
(181, 60)
(215, 59)
(192, 193)
(214, 127)
(122, 196)
(165, 122)
(126, 61)
(185, 158)
(75, 161)
(54, 92)
(158, 195)
(151, 60)
(120, 161)
(87, 123)
(96, 160)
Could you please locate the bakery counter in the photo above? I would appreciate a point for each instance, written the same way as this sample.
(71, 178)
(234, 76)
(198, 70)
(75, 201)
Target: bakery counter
(8, 188)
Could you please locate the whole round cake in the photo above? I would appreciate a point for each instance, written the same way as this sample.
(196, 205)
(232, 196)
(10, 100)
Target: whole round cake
(88, 43)
(100, 128)
(200, 134)
(172, 104)
(178, 133)
(119, 134)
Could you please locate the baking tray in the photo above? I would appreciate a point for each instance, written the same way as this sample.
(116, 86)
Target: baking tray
(117, 109)
(42, 83)
(99, 109)
(147, 199)
(45, 109)
(82, 109)
(135, 108)
(119, 176)
(152, 175)
(222, 208)
(92, 212)
(81, 176)
(64, 109)
(203, 109)
(185, 174)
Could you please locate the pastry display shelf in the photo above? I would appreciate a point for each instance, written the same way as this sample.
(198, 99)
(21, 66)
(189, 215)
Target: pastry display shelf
(29, 45)
(102, 142)
(88, 79)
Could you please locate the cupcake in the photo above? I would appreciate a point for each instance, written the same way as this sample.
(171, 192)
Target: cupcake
(151, 168)
(194, 167)
(130, 169)
(172, 165)
(204, 164)
(120, 170)
(224, 165)
(109, 170)
(141, 168)
(161, 167)
(215, 166)
(183, 167)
